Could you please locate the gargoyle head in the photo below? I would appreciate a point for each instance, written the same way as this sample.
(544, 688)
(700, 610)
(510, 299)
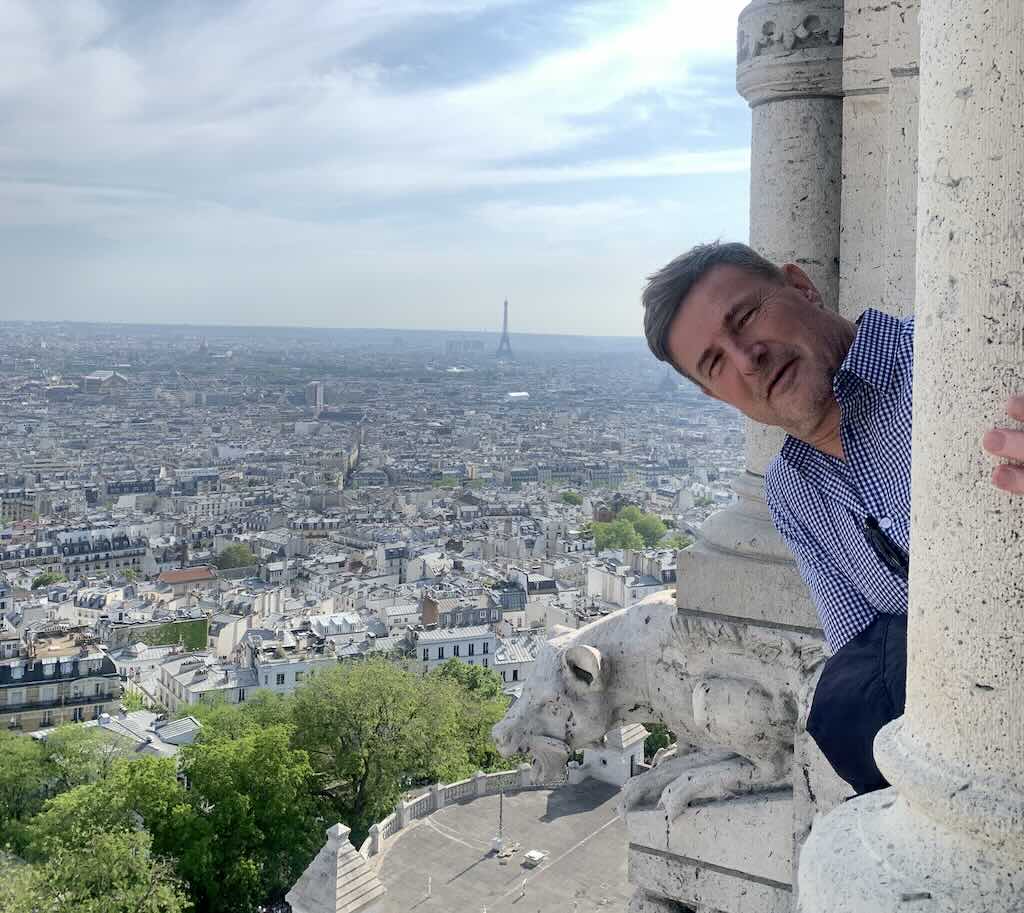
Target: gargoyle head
(564, 706)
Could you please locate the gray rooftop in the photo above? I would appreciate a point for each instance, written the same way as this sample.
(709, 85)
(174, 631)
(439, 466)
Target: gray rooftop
(446, 634)
(576, 825)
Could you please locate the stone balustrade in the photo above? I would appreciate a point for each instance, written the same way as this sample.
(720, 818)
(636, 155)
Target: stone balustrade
(439, 795)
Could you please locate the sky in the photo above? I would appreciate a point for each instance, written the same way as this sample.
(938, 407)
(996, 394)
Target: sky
(363, 163)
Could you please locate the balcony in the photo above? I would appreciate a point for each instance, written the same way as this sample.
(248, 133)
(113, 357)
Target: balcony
(80, 701)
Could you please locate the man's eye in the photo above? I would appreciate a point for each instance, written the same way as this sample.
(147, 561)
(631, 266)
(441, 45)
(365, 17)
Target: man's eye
(747, 316)
(715, 365)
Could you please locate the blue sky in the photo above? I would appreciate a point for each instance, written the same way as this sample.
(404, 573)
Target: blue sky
(407, 163)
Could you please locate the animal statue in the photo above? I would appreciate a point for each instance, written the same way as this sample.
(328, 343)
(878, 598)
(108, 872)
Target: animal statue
(732, 694)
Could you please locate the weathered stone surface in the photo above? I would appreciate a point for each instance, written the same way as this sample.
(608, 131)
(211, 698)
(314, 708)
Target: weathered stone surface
(739, 567)
(863, 264)
(879, 157)
(789, 68)
(751, 834)
(705, 889)
(338, 880)
(732, 693)
(789, 49)
(900, 246)
(952, 829)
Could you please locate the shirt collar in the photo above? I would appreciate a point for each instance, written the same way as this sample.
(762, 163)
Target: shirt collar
(871, 360)
(872, 356)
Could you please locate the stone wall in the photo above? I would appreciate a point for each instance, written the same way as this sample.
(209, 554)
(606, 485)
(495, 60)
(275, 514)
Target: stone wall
(879, 187)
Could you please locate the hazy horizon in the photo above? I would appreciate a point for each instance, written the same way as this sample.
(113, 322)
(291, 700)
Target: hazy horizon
(264, 164)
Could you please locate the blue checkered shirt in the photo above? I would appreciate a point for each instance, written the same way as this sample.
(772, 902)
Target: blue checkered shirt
(819, 503)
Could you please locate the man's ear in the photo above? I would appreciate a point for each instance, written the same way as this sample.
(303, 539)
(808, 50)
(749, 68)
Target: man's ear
(799, 280)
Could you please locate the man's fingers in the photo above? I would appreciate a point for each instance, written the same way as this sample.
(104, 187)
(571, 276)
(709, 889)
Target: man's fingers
(1009, 478)
(1003, 442)
(1015, 408)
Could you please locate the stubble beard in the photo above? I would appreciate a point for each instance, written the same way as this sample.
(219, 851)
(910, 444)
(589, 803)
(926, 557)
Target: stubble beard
(810, 409)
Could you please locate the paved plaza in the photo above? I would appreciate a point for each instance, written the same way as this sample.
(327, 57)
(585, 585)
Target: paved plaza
(444, 863)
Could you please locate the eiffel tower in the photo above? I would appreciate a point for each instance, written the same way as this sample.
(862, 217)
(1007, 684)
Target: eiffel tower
(504, 347)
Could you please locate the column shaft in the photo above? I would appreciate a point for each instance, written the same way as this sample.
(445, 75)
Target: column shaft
(950, 835)
(795, 191)
(965, 684)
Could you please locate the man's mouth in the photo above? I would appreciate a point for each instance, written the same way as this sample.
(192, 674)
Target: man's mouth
(781, 376)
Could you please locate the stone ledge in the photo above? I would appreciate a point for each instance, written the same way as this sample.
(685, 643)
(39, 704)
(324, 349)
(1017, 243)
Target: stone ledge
(749, 834)
(705, 887)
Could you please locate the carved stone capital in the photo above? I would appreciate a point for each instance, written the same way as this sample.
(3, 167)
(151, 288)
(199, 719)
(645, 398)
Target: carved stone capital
(790, 49)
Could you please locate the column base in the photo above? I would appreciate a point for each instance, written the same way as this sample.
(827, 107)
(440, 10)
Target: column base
(876, 854)
(740, 567)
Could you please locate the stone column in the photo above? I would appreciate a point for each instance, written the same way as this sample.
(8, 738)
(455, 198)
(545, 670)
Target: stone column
(790, 70)
(950, 834)
(739, 571)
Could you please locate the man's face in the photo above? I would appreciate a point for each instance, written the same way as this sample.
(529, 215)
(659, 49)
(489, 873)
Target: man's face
(768, 348)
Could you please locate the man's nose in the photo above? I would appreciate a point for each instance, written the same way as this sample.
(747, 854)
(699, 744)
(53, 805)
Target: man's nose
(749, 357)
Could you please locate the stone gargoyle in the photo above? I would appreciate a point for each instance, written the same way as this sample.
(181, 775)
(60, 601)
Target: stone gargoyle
(732, 694)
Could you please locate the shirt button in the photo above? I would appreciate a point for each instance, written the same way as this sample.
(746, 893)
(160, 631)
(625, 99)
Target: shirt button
(885, 523)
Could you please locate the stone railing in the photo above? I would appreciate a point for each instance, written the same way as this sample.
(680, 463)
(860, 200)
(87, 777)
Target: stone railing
(439, 795)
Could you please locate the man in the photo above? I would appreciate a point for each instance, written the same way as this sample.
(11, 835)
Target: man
(760, 338)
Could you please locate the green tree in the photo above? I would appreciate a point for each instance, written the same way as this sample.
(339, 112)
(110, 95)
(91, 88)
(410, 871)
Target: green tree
(22, 784)
(650, 528)
(372, 730)
(618, 533)
(235, 555)
(571, 497)
(142, 791)
(221, 720)
(630, 512)
(481, 704)
(659, 737)
(676, 541)
(132, 700)
(255, 795)
(74, 755)
(111, 872)
(47, 578)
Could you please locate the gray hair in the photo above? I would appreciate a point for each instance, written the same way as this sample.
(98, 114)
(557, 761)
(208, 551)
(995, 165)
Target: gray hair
(667, 288)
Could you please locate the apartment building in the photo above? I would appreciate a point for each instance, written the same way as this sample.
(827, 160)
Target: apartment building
(59, 678)
(472, 645)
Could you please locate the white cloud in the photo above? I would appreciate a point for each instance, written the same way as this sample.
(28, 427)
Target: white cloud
(183, 132)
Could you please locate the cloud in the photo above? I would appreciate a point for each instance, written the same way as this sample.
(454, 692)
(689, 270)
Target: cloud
(175, 133)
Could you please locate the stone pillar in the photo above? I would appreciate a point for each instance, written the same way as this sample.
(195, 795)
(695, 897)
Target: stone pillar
(401, 814)
(437, 796)
(525, 774)
(790, 70)
(949, 835)
(480, 783)
(739, 571)
(376, 839)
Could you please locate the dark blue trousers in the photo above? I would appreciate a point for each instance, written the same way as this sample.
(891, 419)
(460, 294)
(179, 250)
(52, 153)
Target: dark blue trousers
(862, 687)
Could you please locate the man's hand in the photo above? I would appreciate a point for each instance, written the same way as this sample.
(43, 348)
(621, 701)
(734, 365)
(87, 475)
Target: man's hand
(1003, 442)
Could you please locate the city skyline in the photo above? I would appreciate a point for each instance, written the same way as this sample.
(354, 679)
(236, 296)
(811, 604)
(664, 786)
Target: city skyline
(329, 162)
